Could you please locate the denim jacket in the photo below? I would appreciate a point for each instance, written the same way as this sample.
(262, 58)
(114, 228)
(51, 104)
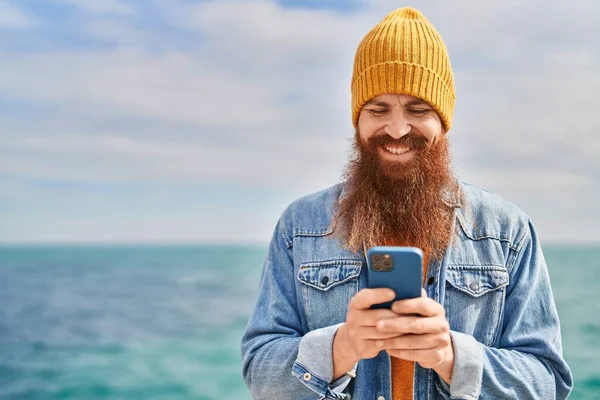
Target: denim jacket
(493, 283)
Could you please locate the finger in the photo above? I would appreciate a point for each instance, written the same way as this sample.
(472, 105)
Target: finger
(421, 306)
(369, 317)
(370, 333)
(413, 324)
(413, 342)
(365, 298)
(423, 292)
(426, 358)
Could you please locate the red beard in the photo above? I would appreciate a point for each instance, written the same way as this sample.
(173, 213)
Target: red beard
(391, 203)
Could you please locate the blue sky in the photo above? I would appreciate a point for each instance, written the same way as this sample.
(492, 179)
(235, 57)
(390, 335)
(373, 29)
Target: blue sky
(199, 121)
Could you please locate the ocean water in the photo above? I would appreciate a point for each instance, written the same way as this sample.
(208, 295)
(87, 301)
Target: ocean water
(165, 322)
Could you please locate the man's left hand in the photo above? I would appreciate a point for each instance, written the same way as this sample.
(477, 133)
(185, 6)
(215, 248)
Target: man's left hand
(423, 335)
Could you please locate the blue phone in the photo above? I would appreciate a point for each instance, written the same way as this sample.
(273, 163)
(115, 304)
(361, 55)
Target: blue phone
(397, 268)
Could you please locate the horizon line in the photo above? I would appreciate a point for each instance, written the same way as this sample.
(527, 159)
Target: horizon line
(207, 243)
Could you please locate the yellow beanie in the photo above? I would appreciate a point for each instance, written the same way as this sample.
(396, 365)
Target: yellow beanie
(404, 54)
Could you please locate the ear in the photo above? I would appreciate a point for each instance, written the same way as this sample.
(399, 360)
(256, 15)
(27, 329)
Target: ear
(444, 130)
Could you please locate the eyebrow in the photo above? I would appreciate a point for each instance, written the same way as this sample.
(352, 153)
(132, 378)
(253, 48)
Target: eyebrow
(413, 102)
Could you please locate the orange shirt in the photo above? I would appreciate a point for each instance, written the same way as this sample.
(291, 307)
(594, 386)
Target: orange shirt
(402, 370)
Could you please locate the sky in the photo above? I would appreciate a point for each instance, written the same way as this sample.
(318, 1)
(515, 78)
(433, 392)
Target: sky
(200, 121)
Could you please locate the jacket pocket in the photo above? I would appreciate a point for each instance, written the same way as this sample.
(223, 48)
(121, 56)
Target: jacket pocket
(327, 287)
(475, 299)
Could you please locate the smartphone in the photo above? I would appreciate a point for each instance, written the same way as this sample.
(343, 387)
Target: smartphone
(397, 268)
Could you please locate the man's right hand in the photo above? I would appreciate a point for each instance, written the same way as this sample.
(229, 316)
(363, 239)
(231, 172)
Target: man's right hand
(355, 339)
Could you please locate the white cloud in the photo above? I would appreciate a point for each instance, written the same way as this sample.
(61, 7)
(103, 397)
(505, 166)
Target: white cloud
(116, 7)
(106, 158)
(121, 33)
(261, 97)
(175, 87)
(12, 17)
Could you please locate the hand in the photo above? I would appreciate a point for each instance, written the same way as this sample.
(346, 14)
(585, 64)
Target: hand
(355, 339)
(422, 334)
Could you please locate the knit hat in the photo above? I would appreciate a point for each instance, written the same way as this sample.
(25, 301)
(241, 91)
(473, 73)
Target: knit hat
(404, 54)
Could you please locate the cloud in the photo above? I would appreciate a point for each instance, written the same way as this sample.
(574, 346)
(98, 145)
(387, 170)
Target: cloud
(12, 17)
(253, 93)
(105, 157)
(174, 87)
(114, 7)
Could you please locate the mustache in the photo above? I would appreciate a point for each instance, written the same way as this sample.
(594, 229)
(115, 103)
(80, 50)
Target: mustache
(411, 140)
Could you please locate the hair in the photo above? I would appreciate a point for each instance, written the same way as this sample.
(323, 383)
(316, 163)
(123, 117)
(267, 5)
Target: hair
(391, 204)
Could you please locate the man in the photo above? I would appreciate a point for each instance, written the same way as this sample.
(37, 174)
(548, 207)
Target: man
(486, 326)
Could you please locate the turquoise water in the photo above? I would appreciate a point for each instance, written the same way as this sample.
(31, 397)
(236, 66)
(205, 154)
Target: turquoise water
(165, 322)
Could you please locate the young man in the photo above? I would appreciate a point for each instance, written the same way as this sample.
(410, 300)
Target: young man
(486, 326)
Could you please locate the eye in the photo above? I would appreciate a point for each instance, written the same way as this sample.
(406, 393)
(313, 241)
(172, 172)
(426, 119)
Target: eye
(377, 113)
(419, 111)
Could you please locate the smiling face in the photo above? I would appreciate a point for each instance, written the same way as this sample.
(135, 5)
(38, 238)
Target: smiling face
(399, 128)
(396, 178)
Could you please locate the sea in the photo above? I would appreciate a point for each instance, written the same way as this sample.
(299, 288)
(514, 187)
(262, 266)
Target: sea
(165, 321)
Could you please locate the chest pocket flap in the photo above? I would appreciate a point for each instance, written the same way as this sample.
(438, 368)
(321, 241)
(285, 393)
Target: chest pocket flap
(324, 275)
(477, 280)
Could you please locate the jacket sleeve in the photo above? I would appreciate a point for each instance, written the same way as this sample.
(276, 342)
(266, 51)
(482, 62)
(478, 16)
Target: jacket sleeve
(278, 360)
(528, 363)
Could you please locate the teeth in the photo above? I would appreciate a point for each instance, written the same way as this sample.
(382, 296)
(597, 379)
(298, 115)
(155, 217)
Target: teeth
(397, 150)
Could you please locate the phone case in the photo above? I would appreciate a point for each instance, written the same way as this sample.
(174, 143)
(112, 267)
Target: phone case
(405, 277)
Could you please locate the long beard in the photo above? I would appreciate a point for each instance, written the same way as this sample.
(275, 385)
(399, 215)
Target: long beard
(390, 204)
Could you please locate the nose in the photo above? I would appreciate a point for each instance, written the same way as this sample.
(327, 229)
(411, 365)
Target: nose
(397, 127)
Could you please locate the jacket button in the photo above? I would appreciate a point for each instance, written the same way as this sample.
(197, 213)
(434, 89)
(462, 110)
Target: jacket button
(381, 398)
(306, 377)
(324, 280)
(473, 286)
(430, 280)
